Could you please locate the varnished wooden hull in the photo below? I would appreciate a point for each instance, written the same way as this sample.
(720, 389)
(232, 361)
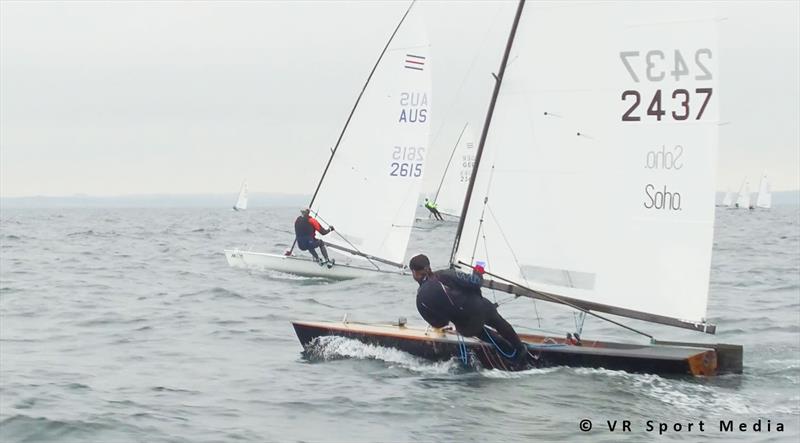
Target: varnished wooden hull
(542, 351)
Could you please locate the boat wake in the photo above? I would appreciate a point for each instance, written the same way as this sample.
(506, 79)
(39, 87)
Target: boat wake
(338, 348)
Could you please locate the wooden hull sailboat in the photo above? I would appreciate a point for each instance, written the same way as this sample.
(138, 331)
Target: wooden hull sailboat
(543, 351)
(554, 130)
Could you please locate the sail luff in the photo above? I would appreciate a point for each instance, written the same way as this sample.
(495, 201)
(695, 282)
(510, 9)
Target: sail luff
(485, 130)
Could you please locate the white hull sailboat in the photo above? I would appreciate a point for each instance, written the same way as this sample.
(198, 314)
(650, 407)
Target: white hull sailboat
(555, 129)
(345, 268)
(743, 198)
(764, 199)
(449, 196)
(241, 201)
(379, 158)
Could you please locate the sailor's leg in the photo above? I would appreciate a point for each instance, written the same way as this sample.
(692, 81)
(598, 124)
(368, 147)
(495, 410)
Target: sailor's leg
(313, 254)
(323, 250)
(500, 324)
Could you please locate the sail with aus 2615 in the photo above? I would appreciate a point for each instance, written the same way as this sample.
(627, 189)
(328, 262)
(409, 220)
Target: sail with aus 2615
(370, 191)
(596, 181)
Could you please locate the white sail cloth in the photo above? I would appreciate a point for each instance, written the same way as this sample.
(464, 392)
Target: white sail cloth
(599, 165)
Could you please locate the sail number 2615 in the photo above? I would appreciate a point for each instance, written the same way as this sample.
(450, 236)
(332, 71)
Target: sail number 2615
(408, 161)
(654, 66)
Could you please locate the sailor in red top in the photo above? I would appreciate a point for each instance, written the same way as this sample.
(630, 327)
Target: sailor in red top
(305, 229)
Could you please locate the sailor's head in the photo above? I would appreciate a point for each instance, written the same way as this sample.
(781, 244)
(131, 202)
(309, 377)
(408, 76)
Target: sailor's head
(420, 267)
(426, 199)
(305, 212)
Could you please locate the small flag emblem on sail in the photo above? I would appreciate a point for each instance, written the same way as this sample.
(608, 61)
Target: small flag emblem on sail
(415, 62)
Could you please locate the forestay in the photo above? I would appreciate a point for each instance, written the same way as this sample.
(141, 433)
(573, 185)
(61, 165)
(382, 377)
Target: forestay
(599, 164)
(450, 196)
(370, 191)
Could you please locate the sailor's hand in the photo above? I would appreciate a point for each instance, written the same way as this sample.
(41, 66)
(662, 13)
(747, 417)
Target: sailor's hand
(331, 228)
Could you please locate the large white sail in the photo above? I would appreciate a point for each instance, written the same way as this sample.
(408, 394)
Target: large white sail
(370, 191)
(450, 195)
(764, 199)
(598, 169)
(743, 200)
(241, 201)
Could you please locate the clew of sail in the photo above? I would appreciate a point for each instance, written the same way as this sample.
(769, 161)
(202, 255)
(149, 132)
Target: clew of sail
(370, 191)
(597, 175)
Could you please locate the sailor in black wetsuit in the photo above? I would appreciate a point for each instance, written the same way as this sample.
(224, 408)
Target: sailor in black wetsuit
(451, 296)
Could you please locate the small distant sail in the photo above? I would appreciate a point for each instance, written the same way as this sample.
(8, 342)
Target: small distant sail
(241, 202)
(743, 201)
(764, 199)
(728, 200)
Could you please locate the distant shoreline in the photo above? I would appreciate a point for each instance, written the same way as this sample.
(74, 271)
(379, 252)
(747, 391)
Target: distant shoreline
(154, 201)
(256, 200)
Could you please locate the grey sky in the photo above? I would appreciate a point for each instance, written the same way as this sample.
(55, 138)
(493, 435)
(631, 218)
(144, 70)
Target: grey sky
(191, 97)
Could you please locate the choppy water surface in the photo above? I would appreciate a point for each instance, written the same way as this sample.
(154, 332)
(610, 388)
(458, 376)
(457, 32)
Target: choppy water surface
(128, 325)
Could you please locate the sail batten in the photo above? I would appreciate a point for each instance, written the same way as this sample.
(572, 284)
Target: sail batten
(582, 194)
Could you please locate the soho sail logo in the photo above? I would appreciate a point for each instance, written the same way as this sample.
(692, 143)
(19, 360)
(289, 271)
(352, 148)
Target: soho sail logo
(687, 101)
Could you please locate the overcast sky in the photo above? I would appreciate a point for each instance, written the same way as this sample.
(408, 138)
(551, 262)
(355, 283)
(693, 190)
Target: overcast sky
(114, 98)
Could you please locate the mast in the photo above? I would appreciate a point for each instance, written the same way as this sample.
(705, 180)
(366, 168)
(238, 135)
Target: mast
(444, 175)
(485, 131)
(353, 110)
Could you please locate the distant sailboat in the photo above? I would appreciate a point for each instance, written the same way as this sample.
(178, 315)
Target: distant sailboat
(743, 200)
(640, 248)
(449, 195)
(728, 199)
(370, 184)
(764, 199)
(241, 201)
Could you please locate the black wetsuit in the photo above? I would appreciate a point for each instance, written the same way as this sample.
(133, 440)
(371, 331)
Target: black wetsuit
(452, 296)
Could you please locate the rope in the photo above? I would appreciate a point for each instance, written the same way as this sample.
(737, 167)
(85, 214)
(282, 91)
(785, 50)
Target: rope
(499, 349)
(316, 214)
(516, 261)
(462, 350)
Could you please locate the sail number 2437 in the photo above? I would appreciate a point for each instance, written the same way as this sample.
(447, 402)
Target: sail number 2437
(679, 104)
(407, 162)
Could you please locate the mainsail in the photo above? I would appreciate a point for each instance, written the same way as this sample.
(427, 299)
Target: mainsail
(241, 201)
(743, 200)
(764, 199)
(370, 190)
(450, 195)
(596, 178)
(728, 199)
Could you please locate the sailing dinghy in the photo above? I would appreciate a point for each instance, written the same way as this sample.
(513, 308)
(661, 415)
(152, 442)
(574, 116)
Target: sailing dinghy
(370, 184)
(241, 201)
(557, 128)
(764, 199)
(449, 196)
(743, 199)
